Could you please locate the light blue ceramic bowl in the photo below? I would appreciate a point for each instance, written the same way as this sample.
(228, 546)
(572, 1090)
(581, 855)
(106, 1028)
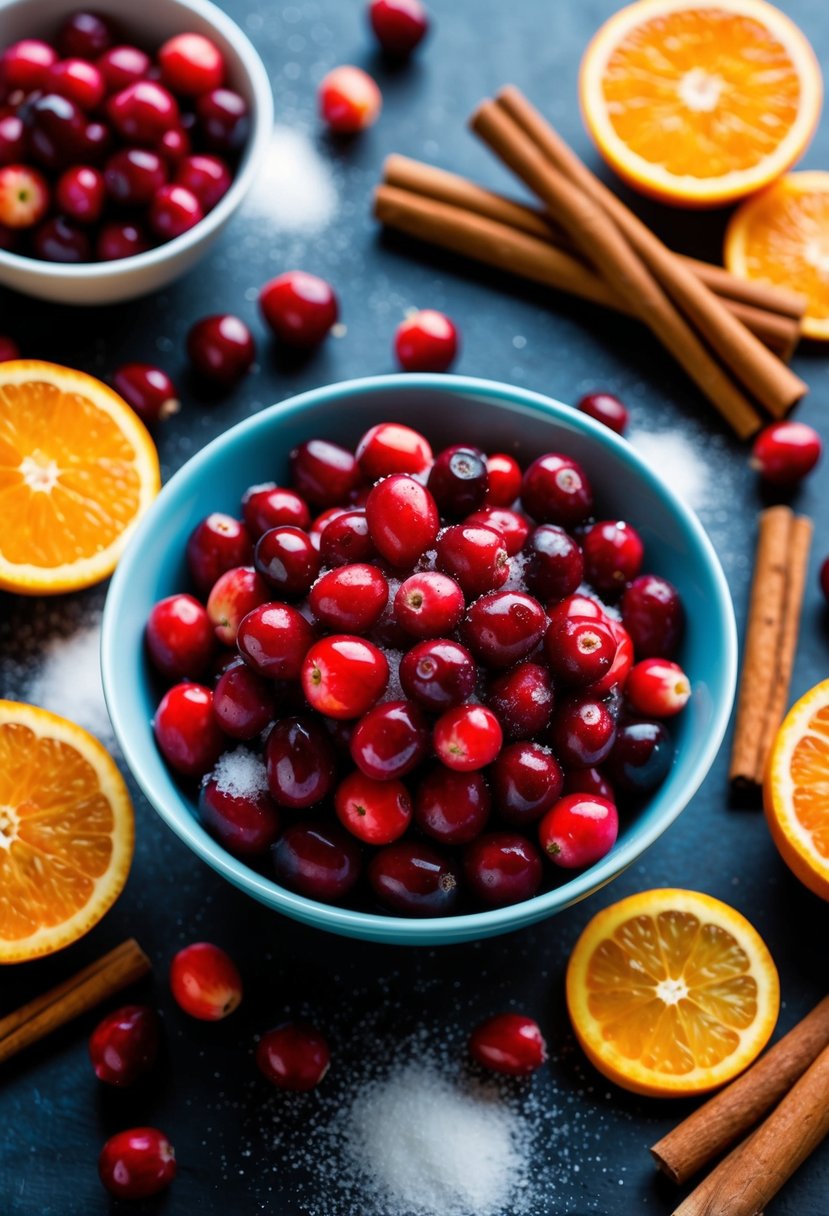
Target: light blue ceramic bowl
(447, 409)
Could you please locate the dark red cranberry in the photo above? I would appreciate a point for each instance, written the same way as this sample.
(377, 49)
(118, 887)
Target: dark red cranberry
(78, 80)
(319, 525)
(191, 64)
(80, 194)
(588, 781)
(343, 676)
(605, 408)
(458, 481)
(429, 605)
(652, 614)
(403, 519)
(513, 527)
(221, 347)
(243, 703)
(427, 341)
(376, 812)
(502, 868)
(300, 308)
(577, 607)
(503, 627)
(526, 781)
(452, 807)
(148, 390)
(268, 506)
(287, 559)
(438, 674)
(504, 480)
(786, 452)
(121, 66)
(96, 140)
(350, 598)
(116, 241)
(293, 1056)
(467, 737)
(224, 120)
(555, 565)
(134, 175)
(180, 637)
(414, 879)
(85, 35)
(509, 1043)
(218, 543)
(324, 473)
(300, 761)
(12, 139)
(25, 65)
(399, 25)
(137, 1163)
(173, 146)
(823, 579)
(522, 700)
(174, 210)
(186, 732)
(555, 490)
(242, 819)
(346, 540)
(124, 1045)
(641, 757)
(390, 448)
(613, 553)
(8, 349)
(579, 830)
(582, 732)
(474, 555)
(59, 240)
(318, 861)
(206, 177)
(274, 639)
(56, 127)
(579, 652)
(390, 740)
(143, 111)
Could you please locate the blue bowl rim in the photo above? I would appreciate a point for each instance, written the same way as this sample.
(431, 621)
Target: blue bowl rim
(377, 926)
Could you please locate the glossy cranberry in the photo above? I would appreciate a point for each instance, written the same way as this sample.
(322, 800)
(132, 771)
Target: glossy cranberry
(579, 830)
(503, 627)
(582, 732)
(415, 879)
(95, 142)
(25, 65)
(117, 241)
(555, 565)
(399, 25)
(555, 490)
(143, 111)
(268, 506)
(80, 194)
(59, 240)
(274, 639)
(403, 519)
(300, 762)
(206, 177)
(293, 1056)
(24, 196)
(438, 674)
(124, 1045)
(613, 553)
(173, 210)
(346, 540)
(343, 676)
(349, 100)
(652, 614)
(148, 390)
(502, 868)
(205, 982)
(522, 700)
(244, 820)
(78, 80)
(504, 476)
(824, 579)
(579, 652)
(390, 448)
(180, 637)
(85, 35)
(186, 732)
(390, 740)
(233, 595)
(427, 341)
(173, 146)
(513, 527)
(323, 473)
(121, 66)
(588, 781)
(8, 349)
(451, 807)
(243, 703)
(458, 481)
(785, 452)
(350, 598)
(526, 781)
(134, 175)
(508, 1043)
(428, 605)
(319, 861)
(605, 408)
(224, 120)
(191, 64)
(376, 812)
(137, 1163)
(475, 556)
(12, 139)
(56, 129)
(614, 679)
(657, 688)
(285, 557)
(299, 307)
(641, 757)
(220, 347)
(467, 737)
(218, 543)
(578, 607)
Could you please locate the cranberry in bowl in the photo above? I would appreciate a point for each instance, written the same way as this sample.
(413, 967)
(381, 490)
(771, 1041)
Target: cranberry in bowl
(412, 790)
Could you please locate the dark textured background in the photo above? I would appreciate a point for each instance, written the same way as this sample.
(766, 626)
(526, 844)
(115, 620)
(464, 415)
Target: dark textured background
(237, 1144)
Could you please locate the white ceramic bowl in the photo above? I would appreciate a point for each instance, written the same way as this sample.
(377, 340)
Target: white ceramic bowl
(149, 25)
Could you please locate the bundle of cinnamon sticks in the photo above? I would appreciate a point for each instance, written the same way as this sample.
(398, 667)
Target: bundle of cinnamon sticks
(728, 335)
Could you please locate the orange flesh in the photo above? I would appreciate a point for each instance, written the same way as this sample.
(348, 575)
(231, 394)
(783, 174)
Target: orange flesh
(810, 777)
(788, 244)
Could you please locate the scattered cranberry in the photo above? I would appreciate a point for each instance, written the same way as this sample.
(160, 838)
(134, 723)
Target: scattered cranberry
(785, 452)
(285, 557)
(300, 308)
(429, 605)
(186, 732)
(390, 740)
(452, 807)
(351, 598)
(85, 35)
(508, 1043)
(346, 540)
(504, 475)
(205, 982)
(502, 868)
(218, 543)
(78, 80)
(321, 862)
(652, 614)
(613, 553)
(224, 120)
(414, 878)
(117, 241)
(503, 627)
(268, 506)
(137, 1163)
(657, 688)
(12, 139)
(579, 830)
(523, 700)
(274, 639)
(555, 563)
(376, 812)
(474, 555)
(206, 177)
(349, 100)
(124, 1045)
(148, 390)
(191, 64)
(180, 637)
(220, 347)
(343, 676)
(579, 652)
(467, 738)
(824, 579)
(527, 779)
(25, 65)
(134, 176)
(427, 341)
(8, 349)
(391, 447)
(245, 821)
(24, 196)
(514, 528)
(121, 66)
(300, 762)
(243, 703)
(582, 732)
(293, 1056)
(605, 408)
(399, 25)
(234, 594)
(323, 473)
(403, 519)
(641, 757)
(555, 490)
(458, 481)
(438, 674)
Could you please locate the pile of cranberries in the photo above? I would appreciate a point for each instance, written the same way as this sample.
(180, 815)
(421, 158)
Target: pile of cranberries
(413, 678)
(106, 150)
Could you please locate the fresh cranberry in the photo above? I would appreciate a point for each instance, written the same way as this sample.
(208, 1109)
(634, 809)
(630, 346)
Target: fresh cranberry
(85, 35)
(300, 762)
(582, 732)
(95, 142)
(56, 129)
(233, 595)
(390, 740)
(12, 139)
(8, 349)
(605, 408)
(137, 1163)
(220, 347)
(824, 579)
(343, 676)
(244, 820)
(415, 879)
(504, 474)
(614, 679)
(206, 177)
(613, 553)
(641, 757)
(350, 598)
(555, 564)
(134, 175)
(522, 700)
(652, 614)
(438, 674)
(243, 703)
(323, 473)
(785, 452)
(403, 519)
(579, 830)
(173, 211)
(25, 65)
(148, 390)
(80, 194)
(452, 807)
(78, 80)
(293, 1056)
(116, 241)
(427, 341)
(657, 688)
(173, 146)
(205, 982)
(285, 557)
(180, 637)
(185, 730)
(588, 781)
(429, 605)
(346, 540)
(191, 64)
(24, 196)
(376, 812)
(555, 490)
(349, 100)
(509, 1043)
(579, 652)
(143, 111)
(218, 543)
(578, 607)
(467, 737)
(399, 25)
(503, 627)
(124, 1045)
(526, 779)
(224, 120)
(59, 240)
(121, 66)
(268, 506)
(318, 861)
(390, 448)
(299, 307)
(274, 639)
(502, 868)
(458, 481)
(474, 555)
(513, 527)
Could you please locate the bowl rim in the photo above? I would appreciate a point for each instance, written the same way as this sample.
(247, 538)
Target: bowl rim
(262, 116)
(377, 926)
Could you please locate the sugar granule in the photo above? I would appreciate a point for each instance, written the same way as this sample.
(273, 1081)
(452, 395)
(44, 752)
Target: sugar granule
(240, 774)
(68, 681)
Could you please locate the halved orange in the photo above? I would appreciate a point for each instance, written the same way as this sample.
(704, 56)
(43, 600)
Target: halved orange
(700, 102)
(671, 992)
(781, 236)
(66, 832)
(796, 790)
(77, 470)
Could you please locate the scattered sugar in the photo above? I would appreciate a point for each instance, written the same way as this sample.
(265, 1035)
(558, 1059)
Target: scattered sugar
(394, 689)
(517, 570)
(674, 458)
(240, 774)
(68, 681)
(294, 190)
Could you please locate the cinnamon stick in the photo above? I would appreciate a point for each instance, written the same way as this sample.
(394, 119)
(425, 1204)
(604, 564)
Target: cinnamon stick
(723, 1119)
(103, 978)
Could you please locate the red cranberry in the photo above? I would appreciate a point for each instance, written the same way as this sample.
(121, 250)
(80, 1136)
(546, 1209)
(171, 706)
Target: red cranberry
(137, 1163)
(58, 240)
(458, 481)
(415, 879)
(504, 627)
(641, 757)
(502, 868)
(824, 579)
(180, 637)
(173, 211)
(509, 1043)
(287, 559)
(605, 408)
(429, 605)
(95, 142)
(438, 674)
(582, 732)
(78, 80)
(274, 639)
(143, 111)
(233, 595)
(785, 452)
(657, 688)
(206, 177)
(24, 196)
(124, 1045)
(191, 64)
(25, 65)
(80, 194)
(323, 473)
(555, 564)
(376, 812)
(268, 506)
(652, 614)
(523, 700)
(579, 652)
(474, 555)
(121, 66)
(349, 100)
(615, 678)
(220, 347)
(452, 807)
(514, 528)
(504, 474)
(293, 1056)
(526, 779)
(346, 540)
(588, 781)
(56, 130)
(12, 139)
(300, 762)
(218, 543)
(390, 740)
(205, 982)
(148, 390)
(243, 703)
(134, 175)
(185, 730)
(555, 490)
(8, 349)
(467, 737)
(350, 598)
(427, 341)
(343, 676)
(244, 820)
(173, 146)
(579, 830)
(300, 308)
(399, 25)
(224, 120)
(318, 861)
(403, 519)
(390, 448)
(117, 241)
(85, 35)
(613, 553)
